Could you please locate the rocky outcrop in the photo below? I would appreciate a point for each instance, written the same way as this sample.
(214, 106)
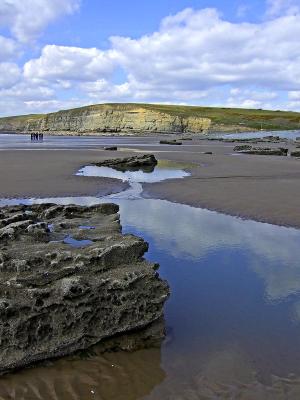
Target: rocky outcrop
(135, 163)
(242, 147)
(68, 280)
(171, 142)
(107, 118)
(295, 153)
(264, 151)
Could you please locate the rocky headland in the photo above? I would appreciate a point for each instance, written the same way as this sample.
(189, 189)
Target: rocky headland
(146, 119)
(107, 119)
(70, 279)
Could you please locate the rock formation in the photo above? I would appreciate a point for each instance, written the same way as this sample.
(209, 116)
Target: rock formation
(106, 118)
(68, 280)
(262, 151)
(171, 142)
(242, 147)
(295, 153)
(146, 162)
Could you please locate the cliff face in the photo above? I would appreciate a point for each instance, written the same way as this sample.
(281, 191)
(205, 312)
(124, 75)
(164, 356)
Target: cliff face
(106, 118)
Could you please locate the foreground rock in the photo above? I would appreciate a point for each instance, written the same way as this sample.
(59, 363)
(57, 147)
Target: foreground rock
(263, 151)
(145, 162)
(68, 280)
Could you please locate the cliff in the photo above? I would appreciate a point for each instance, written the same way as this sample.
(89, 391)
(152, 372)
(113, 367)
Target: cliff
(130, 118)
(107, 118)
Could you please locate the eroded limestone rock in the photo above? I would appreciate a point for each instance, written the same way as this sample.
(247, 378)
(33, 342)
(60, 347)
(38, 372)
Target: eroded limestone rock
(264, 151)
(69, 279)
(135, 163)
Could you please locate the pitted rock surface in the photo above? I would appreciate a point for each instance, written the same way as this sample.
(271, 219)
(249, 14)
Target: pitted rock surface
(58, 296)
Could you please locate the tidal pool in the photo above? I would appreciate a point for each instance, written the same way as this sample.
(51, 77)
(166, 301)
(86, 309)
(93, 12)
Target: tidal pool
(233, 318)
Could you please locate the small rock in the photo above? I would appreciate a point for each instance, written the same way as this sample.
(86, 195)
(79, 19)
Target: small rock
(171, 142)
(111, 148)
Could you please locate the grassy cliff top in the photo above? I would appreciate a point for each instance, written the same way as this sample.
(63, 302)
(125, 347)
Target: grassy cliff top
(251, 118)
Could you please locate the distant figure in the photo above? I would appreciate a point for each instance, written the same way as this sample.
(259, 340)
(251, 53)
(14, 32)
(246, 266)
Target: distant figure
(37, 137)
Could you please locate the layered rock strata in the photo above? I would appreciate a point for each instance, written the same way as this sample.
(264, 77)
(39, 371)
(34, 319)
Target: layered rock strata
(70, 279)
(106, 118)
(263, 151)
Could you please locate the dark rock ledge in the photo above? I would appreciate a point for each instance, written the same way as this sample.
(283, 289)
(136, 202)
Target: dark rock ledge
(145, 162)
(70, 279)
(263, 151)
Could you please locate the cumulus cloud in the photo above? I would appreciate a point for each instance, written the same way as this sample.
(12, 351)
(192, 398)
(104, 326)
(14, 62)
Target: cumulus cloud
(195, 57)
(250, 98)
(196, 50)
(27, 20)
(279, 7)
(60, 63)
(9, 75)
(8, 49)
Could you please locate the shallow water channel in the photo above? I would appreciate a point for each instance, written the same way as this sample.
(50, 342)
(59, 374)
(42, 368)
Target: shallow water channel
(233, 318)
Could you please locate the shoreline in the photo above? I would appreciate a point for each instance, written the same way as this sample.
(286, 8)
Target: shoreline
(244, 217)
(230, 130)
(259, 188)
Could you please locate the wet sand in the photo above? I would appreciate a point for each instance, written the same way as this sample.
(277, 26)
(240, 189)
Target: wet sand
(264, 188)
(51, 173)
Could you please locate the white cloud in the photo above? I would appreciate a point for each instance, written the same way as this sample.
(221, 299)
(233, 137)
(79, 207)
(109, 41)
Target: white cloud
(280, 7)
(61, 63)
(197, 50)
(8, 49)
(9, 75)
(28, 19)
(294, 95)
(250, 98)
(195, 57)
(27, 92)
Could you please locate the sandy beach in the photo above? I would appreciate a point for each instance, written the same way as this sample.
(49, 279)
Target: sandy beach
(263, 188)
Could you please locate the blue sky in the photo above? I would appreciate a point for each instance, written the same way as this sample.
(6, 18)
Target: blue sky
(58, 54)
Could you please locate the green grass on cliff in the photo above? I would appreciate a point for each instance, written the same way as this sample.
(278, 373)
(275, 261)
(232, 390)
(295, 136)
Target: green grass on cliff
(254, 119)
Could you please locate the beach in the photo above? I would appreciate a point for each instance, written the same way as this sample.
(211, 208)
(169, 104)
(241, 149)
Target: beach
(262, 188)
(232, 318)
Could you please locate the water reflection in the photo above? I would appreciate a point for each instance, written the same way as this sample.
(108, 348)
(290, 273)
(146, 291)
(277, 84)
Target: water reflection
(232, 319)
(116, 376)
(158, 174)
(188, 232)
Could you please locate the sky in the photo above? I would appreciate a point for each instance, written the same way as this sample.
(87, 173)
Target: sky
(59, 54)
